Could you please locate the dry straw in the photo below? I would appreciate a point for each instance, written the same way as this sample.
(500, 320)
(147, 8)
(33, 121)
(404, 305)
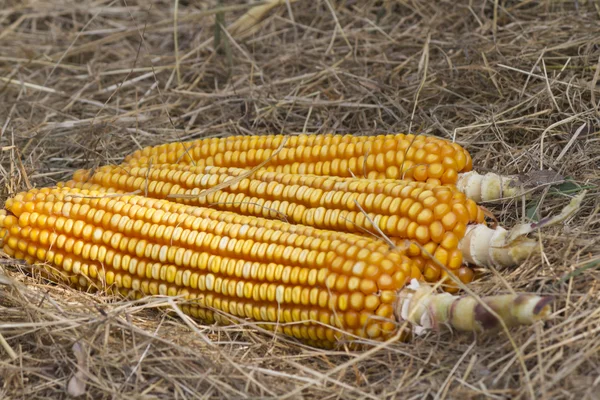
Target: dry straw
(83, 83)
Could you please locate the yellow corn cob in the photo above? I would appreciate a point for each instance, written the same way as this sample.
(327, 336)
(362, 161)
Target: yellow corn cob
(318, 286)
(408, 157)
(411, 157)
(249, 267)
(434, 217)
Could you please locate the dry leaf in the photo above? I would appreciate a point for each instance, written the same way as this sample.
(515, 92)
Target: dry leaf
(544, 177)
(523, 229)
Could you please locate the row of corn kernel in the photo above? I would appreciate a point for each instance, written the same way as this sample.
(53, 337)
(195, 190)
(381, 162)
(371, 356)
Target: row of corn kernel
(422, 158)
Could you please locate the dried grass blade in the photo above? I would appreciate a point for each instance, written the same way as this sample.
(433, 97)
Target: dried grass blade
(7, 348)
(253, 16)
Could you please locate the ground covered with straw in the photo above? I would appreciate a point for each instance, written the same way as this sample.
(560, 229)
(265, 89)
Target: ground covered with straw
(83, 83)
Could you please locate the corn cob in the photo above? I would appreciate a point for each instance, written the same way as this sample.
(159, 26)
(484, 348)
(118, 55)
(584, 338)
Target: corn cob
(410, 157)
(407, 157)
(319, 286)
(250, 267)
(434, 217)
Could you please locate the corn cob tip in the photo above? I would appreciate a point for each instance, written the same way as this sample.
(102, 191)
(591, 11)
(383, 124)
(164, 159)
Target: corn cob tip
(427, 310)
(488, 187)
(484, 246)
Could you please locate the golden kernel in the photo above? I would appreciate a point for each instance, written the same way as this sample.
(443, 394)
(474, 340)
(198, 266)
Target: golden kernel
(455, 259)
(449, 221)
(422, 234)
(465, 274)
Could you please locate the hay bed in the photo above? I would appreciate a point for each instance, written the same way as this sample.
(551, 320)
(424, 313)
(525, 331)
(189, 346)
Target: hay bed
(85, 82)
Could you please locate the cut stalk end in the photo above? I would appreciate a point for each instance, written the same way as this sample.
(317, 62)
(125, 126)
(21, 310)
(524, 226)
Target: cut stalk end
(427, 310)
(484, 246)
(488, 187)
